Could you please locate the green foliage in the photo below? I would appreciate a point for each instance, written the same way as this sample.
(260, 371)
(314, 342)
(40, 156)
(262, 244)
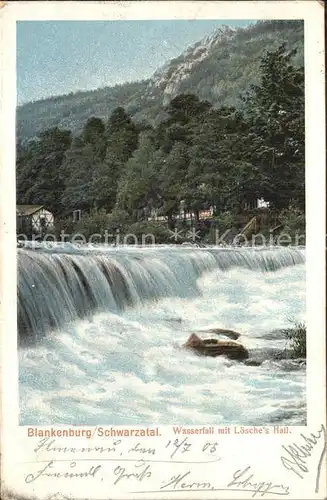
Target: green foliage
(224, 221)
(122, 135)
(186, 107)
(101, 227)
(94, 222)
(297, 337)
(77, 168)
(38, 169)
(198, 157)
(293, 221)
(96, 226)
(173, 179)
(137, 190)
(149, 233)
(93, 130)
(72, 110)
(292, 218)
(118, 219)
(275, 110)
(104, 183)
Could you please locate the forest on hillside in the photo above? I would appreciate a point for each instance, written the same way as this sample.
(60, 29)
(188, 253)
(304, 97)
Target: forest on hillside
(119, 172)
(231, 65)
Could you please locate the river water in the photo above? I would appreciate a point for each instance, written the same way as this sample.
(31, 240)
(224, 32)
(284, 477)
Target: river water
(101, 329)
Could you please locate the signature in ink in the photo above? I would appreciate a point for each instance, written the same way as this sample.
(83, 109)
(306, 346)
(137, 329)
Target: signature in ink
(243, 480)
(297, 453)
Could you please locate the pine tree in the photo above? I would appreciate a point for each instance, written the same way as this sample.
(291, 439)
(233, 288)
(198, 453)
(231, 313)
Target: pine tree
(138, 190)
(122, 135)
(104, 183)
(39, 179)
(275, 109)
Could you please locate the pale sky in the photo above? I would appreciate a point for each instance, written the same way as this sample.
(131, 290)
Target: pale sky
(58, 57)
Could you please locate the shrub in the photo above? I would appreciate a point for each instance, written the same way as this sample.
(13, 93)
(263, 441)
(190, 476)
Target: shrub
(297, 337)
(118, 219)
(293, 219)
(224, 221)
(96, 222)
(149, 233)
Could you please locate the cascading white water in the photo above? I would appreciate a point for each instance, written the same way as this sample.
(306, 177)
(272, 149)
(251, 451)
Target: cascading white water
(56, 287)
(101, 330)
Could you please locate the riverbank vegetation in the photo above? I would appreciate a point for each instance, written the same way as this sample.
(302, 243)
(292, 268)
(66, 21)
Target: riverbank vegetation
(296, 335)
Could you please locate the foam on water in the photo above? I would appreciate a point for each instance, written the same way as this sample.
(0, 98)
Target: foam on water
(126, 366)
(59, 285)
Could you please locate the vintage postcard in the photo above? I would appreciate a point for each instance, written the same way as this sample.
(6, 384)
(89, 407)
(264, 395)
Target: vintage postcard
(163, 250)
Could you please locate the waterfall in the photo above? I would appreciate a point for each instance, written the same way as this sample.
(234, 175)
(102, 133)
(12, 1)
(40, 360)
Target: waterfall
(60, 285)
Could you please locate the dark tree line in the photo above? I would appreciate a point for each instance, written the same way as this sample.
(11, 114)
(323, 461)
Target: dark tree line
(197, 157)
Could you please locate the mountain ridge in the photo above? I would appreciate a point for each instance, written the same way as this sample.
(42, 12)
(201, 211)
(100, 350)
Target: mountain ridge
(218, 68)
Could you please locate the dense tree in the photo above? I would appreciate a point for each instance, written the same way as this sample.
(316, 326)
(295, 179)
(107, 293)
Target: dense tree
(217, 161)
(93, 131)
(138, 190)
(95, 162)
(275, 109)
(104, 183)
(39, 178)
(122, 135)
(186, 107)
(78, 167)
(173, 180)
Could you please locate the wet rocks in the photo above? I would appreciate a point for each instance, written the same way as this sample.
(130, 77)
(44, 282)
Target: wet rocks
(222, 331)
(215, 347)
(281, 358)
(259, 355)
(277, 334)
(288, 365)
(275, 357)
(173, 320)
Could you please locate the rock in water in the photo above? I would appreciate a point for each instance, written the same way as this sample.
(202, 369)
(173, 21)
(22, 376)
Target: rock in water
(214, 347)
(222, 331)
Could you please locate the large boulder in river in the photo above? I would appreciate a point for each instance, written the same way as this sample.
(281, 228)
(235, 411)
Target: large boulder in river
(215, 347)
(222, 331)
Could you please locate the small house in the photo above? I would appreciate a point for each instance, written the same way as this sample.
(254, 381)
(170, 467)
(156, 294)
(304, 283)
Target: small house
(33, 219)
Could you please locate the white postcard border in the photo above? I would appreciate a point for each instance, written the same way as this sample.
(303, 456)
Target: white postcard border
(14, 442)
